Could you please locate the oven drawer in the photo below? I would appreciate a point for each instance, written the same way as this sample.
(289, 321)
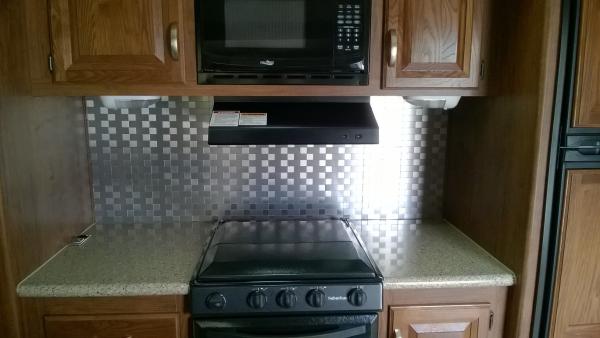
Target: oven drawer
(341, 326)
(113, 326)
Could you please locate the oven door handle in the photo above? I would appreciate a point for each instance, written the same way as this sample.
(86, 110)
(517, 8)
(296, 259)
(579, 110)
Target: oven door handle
(344, 333)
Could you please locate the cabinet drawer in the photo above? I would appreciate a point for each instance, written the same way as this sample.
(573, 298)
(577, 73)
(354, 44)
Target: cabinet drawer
(444, 321)
(121, 326)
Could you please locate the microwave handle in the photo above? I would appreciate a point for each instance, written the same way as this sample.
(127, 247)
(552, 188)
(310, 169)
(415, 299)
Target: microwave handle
(343, 333)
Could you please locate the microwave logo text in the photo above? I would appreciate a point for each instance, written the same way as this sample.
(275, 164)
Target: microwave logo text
(267, 62)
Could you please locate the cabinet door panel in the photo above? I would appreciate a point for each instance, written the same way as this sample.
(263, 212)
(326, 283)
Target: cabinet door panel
(138, 326)
(445, 321)
(576, 305)
(586, 113)
(438, 43)
(114, 41)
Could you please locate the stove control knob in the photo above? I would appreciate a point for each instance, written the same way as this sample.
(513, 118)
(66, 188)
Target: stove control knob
(357, 297)
(286, 299)
(315, 298)
(216, 301)
(257, 300)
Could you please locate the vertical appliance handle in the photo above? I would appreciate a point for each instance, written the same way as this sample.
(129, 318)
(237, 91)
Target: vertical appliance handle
(343, 333)
(584, 150)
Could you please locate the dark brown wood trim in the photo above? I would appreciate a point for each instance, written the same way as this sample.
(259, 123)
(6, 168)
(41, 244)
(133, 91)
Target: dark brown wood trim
(111, 305)
(549, 61)
(46, 198)
(498, 145)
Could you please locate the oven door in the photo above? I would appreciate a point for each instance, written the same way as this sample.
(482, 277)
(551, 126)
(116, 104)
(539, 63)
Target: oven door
(342, 326)
(266, 35)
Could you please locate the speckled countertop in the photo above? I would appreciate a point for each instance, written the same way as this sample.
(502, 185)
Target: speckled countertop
(118, 260)
(422, 254)
(138, 260)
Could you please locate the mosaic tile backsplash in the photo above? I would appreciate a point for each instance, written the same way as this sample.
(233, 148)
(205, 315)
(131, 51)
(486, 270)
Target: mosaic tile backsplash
(153, 165)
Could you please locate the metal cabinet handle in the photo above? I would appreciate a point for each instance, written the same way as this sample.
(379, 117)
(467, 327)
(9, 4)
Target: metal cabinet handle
(174, 41)
(397, 333)
(393, 52)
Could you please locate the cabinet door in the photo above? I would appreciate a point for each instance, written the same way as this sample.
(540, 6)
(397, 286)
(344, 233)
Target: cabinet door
(576, 310)
(120, 326)
(586, 112)
(115, 41)
(433, 43)
(444, 321)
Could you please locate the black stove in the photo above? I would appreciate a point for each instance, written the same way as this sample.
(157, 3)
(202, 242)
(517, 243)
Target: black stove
(308, 271)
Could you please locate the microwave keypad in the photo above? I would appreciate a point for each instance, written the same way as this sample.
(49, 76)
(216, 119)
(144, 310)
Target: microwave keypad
(349, 23)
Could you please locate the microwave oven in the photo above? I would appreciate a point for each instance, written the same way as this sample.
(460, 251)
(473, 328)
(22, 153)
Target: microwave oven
(324, 42)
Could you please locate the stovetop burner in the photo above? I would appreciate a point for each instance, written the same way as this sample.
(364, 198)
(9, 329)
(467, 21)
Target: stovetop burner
(284, 250)
(300, 267)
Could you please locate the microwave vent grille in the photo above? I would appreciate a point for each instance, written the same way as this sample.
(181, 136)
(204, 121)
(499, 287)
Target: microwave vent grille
(293, 78)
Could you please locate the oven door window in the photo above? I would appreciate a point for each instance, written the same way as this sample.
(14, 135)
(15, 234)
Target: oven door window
(278, 34)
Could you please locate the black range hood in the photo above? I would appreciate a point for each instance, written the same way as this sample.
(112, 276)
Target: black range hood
(264, 123)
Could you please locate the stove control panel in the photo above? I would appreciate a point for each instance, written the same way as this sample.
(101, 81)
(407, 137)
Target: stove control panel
(285, 298)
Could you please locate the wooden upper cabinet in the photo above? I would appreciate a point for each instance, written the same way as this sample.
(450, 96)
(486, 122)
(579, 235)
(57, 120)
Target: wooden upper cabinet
(586, 113)
(433, 43)
(444, 321)
(576, 310)
(116, 41)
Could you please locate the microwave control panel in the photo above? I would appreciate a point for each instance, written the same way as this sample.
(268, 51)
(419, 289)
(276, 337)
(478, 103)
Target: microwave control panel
(349, 26)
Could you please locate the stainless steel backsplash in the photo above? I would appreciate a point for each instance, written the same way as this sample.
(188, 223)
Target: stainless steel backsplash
(154, 165)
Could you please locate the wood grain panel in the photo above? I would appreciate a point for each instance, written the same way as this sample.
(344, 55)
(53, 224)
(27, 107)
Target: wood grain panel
(586, 108)
(137, 24)
(37, 309)
(439, 43)
(13, 81)
(583, 331)
(138, 326)
(112, 305)
(434, 38)
(44, 182)
(114, 41)
(494, 297)
(440, 321)
(576, 310)
(14, 71)
(498, 146)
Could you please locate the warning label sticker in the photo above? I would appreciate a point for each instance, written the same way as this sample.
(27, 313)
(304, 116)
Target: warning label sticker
(253, 119)
(225, 119)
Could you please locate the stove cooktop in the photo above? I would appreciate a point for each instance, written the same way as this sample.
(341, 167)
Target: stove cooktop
(285, 250)
(278, 267)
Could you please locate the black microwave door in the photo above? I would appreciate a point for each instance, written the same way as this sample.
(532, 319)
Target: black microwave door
(264, 35)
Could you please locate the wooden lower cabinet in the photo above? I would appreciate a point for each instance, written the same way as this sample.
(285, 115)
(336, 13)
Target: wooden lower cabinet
(107, 317)
(443, 313)
(120, 326)
(576, 310)
(443, 321)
